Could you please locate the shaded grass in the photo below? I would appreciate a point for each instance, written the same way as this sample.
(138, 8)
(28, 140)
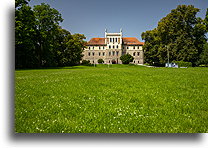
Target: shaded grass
(118, 99)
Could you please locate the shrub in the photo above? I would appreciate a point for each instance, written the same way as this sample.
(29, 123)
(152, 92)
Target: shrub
(183, 64)
(126, 58)
(86, 63)
(100, 61)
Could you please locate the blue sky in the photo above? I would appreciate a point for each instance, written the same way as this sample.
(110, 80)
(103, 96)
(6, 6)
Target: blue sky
(91, 17)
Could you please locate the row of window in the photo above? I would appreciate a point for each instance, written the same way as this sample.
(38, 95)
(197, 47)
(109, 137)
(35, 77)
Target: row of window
(134, 47)
(109, 61)
(100, 47)
(113, 47)
(103, 53)
(113, 53)
(115, 40)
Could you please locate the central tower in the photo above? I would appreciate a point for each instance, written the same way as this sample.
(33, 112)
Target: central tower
(113, 39)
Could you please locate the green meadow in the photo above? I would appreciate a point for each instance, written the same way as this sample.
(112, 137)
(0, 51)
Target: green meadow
(114, 99)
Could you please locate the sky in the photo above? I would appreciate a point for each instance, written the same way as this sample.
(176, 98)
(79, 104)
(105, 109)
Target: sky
(92, 17)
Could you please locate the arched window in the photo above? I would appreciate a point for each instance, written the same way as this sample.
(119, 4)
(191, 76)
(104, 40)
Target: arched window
(117, 46)
(110, 39)
(88, 53)
(113, 46)
(116, 40)
(134, 54)
(109, 47)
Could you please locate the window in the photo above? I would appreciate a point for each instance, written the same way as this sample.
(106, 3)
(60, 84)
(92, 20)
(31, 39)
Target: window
(137, 53)
(116, 40)
(93, 47)
(103, 47)
(99, 53)
(113, 39)
(138, 47)
(134, 54)
(117, 46)
(109, 53)
(109, 47)
(133, 47)
(110, 39)
(93, 54)
(89, 47)
(88, 53)
(117, 53)
(113, 53)
(103, 53)
(99, 47)
(113, 46)
(127, 47)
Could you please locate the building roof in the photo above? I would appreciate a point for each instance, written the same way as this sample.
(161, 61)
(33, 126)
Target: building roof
(132, 41)
(96, 41)
(126, 41)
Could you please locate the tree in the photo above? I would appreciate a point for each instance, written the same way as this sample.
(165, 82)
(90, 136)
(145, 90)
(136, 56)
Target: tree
(206, 20)
(47, 24)
(100, 61)
(180, 33)
(74, 48)
(25, 32)
(126, 58)
(204, 56)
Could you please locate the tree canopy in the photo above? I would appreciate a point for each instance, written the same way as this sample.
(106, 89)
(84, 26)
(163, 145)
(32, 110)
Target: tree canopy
(126, 58)
(39, 39)
(180, 33)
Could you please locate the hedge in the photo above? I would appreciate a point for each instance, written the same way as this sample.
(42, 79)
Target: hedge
(183, 64)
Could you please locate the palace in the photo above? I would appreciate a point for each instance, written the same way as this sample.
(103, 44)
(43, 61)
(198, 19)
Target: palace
(112, 47)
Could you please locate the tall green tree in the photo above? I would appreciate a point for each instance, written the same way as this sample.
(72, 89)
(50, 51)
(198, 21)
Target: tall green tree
(206, 20)
(25, 32)
(47, 24)
(74, 48)
(180, 33)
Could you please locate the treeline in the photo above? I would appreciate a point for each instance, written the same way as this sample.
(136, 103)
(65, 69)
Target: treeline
(39, 39)
(181, 35)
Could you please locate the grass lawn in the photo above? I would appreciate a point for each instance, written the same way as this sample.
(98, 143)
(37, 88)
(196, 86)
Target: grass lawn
(118, 99)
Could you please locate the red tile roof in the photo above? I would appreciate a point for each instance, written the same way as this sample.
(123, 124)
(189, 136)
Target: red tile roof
(132, 41)
(96, 41)
(126, 41)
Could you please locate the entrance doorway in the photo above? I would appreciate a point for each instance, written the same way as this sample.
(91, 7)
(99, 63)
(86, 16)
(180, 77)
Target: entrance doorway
(114, 61)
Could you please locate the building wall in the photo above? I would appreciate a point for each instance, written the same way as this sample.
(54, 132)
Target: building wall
(113, 54)
(112, 50)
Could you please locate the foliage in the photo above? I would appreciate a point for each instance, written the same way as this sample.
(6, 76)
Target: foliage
(119, 99)
(126, 58)
(40, 41)
(206, 20)
(100, 61)
(86, 62)
(180, 33)
(183, 64)
(204, 56)
(25, 32)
